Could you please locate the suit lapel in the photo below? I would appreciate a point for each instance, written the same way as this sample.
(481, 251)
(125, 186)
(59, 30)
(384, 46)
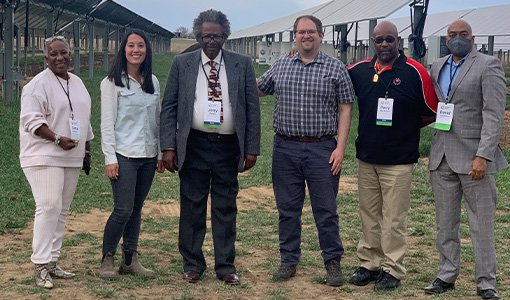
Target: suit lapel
(463, 71)
(231, 66)
(190, 76)
(435, 76)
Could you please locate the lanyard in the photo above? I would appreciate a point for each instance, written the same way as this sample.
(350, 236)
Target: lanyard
(212, 87)
(452, 76)
(387, 86)
(67, 94)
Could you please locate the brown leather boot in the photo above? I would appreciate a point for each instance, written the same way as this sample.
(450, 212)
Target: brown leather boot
(135, 268)
(107, 270)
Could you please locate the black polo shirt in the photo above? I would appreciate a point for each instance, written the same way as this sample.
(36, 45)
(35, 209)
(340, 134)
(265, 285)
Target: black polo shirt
(410, 86)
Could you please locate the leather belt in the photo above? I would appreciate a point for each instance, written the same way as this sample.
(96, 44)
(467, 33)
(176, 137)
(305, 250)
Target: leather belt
(306, 139)
(214, 137)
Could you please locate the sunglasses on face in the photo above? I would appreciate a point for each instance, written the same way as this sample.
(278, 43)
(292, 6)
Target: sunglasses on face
(379, 40)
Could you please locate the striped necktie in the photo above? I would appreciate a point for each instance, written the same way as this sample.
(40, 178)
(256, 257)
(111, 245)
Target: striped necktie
(214, 90)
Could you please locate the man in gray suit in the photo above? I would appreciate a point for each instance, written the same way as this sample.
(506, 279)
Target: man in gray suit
(465, 155)
(211, 116)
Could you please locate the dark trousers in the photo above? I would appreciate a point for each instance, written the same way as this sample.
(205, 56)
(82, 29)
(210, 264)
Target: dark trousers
(210, 166)
(129, 192)
(295, 163)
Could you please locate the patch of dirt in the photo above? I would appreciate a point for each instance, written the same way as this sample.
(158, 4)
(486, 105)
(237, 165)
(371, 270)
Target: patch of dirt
(255, 268)
(504, 140)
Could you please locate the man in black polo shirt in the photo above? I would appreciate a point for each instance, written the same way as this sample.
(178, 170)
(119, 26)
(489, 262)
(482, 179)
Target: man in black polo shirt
(395, 98)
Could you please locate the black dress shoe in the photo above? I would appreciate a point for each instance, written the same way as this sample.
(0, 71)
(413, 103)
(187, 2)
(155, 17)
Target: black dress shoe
(363, 276)
(386, 282)
(487, 294)
(439, 286)
(231, 279)
(191, 276)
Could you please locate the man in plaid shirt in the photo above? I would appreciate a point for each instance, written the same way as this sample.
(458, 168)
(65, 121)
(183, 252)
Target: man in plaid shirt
(314, 96)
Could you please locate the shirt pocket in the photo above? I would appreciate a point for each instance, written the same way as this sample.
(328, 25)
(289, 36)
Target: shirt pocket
(127, 97)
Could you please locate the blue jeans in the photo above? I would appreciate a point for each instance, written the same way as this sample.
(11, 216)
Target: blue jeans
(293, 164)
(129, 192)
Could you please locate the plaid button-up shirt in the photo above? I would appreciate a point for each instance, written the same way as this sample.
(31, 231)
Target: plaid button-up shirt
(307, 96)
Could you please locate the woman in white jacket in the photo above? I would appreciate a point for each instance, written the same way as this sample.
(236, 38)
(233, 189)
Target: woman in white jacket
(54, 145)
(130, 108)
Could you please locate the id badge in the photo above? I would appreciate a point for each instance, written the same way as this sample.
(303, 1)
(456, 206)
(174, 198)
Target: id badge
(212, 114)
(74, 125)
(384, 112)
(444, 116)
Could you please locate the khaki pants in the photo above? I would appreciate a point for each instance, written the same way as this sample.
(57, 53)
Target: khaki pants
(384, 199)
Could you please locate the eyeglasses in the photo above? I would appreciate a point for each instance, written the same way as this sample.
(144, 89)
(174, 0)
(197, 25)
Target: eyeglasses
(208, 38)
(379, 40)
(304, 32)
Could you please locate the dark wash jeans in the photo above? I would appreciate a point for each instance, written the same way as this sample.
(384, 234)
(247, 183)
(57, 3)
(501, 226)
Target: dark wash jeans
(295, 163)
(129, 192)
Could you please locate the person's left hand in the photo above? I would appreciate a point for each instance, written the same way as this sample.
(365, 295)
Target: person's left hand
(249, 161)
(336, 160)
(86, 163)
(478, 168)
(160, 168)
(292, 52)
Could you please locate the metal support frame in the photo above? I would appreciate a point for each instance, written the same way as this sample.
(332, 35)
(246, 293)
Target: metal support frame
(371, 26)
(491, 45)
(76, 41)
(8, 80)
(91, 48)
(105, 46)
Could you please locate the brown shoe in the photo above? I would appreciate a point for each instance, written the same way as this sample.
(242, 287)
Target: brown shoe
(284, 273)
(107, 270)
(191, 276)
(135, 268)
(231, 279)
(57, 272)
(334, 275)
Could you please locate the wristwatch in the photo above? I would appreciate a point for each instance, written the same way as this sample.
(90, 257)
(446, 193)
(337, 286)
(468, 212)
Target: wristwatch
(57, 139)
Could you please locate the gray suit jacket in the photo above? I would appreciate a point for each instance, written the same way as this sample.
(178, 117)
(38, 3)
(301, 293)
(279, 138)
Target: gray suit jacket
(179, 98)
(478, 94)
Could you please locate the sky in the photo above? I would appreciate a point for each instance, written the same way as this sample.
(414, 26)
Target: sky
(172, 14)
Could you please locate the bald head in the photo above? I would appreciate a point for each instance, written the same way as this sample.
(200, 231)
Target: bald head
(384, 28)
(386, 40)
(459, 39)
(460, 25)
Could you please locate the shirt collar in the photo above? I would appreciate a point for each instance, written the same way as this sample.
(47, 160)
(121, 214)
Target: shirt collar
(320, 58)
(217, 59)
(450, 60)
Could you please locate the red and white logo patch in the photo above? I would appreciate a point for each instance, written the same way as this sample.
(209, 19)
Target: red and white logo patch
(397, 81)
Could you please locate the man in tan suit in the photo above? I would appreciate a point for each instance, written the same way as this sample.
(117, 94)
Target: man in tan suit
(465, 155)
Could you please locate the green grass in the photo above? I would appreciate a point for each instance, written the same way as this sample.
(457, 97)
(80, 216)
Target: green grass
(257, 228)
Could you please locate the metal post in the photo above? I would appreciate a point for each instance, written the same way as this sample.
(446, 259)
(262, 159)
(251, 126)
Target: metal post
(371, 26)
(76, 41)
(33, 42)
(91, 49)
(491, 45)
(105, 47)
(7, 84)
(418, 14)
(343, 43)
(49, 29)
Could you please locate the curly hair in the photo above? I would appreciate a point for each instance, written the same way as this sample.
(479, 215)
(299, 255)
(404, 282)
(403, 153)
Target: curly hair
(51, 39)
(213, 16)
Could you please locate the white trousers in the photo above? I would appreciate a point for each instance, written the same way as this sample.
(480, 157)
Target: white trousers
(53, 190)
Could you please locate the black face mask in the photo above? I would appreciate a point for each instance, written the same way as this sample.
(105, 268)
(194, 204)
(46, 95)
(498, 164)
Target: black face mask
(459, 46)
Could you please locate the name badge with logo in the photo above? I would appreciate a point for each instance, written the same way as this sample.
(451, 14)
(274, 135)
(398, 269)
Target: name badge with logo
(212, 114)
(74, 125)
(384, 112)
(444, 116)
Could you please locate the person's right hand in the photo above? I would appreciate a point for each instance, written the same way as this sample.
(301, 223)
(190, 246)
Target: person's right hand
(67, 143)
(112, 171)
(292, 52)
(170, 160)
